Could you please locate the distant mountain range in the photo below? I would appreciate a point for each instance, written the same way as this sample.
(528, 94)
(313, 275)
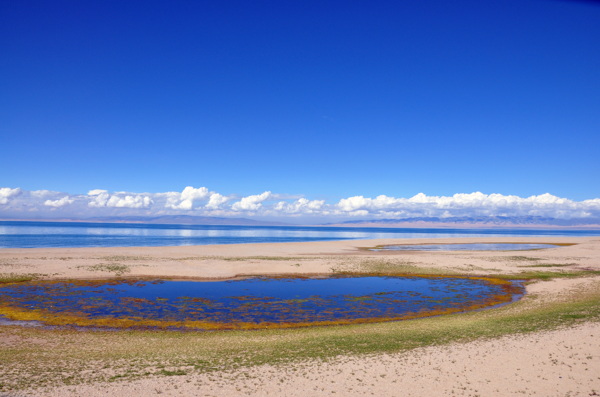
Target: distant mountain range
(417, 222)
(186, 220)
(477, 221)
(166, 220)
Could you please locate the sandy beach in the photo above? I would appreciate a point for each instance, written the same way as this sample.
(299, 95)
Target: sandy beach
(553, 363)
(231, 260)
(550, 345)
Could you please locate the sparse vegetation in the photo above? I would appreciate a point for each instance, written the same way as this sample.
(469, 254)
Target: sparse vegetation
(522, 258)
(17, 278)
(42, 357)
(123, 258)
(246, 258)
(116, 268)
(386, 266)
(7, 263)
(64, 356)
(550, 265)
(513, 258)
(548, 275)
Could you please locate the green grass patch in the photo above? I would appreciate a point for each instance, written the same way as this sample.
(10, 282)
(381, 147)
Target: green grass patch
(551, 265)
(17, 278)
(247, 258)
(177, 372)
(386, 266)
(264, 258)
(513, 258)
(520, 258)
(123, 258)
(548, 275)
(116, 268)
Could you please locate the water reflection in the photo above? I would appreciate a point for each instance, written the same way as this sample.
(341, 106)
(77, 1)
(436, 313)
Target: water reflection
(250, 303)
(63, 234)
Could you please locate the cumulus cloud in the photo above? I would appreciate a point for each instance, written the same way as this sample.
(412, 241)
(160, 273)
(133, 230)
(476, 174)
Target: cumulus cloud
(129, 201)
(59, 203)
(300, 206)
(203, 202)
(185, 200)
(471, 204)
(43, 193)
(251, 203)
(101, 198)
(215, 201)
(6, 193)
(95, 192)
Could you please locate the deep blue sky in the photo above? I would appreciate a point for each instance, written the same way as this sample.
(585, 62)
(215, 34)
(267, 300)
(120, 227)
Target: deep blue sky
(326, 99)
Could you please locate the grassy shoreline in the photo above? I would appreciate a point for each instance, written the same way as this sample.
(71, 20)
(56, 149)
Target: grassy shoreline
(34, 358)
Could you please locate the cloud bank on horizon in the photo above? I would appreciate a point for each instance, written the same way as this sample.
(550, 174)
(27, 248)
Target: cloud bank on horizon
(25, 204)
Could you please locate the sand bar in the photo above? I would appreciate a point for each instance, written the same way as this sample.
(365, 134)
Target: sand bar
(226, 261)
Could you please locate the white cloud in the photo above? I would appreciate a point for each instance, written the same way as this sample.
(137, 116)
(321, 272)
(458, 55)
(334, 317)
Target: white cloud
(6, 193)
(300, 206)
(216, 200)
(137, 201)
(251, 203)
(200, 201)
(59, 203)
(351, 204)
(186, 199)
(42, 193)
(101, 198)
(471, 204)
(95, 192)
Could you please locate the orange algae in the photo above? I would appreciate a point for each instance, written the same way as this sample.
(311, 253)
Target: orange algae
(506, 294)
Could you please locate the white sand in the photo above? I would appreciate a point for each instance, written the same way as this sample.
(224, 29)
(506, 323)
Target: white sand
(223, 261)
(556, 363)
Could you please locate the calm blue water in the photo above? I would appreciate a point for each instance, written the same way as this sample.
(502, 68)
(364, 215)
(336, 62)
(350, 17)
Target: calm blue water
(18, 234)
(257, 300)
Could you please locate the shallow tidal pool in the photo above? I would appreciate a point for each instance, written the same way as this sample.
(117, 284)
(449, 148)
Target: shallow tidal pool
(465, 247)
(251, 303)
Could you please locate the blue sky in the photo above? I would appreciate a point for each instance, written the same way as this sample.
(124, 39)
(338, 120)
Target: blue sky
(325, 100)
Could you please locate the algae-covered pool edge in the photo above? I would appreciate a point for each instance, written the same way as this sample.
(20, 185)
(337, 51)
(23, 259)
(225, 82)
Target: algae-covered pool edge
(294, 304)
(466, 247)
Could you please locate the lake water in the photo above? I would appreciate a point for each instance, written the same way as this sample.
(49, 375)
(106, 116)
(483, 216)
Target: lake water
(465, 247)
(16, 234)
(250, 303)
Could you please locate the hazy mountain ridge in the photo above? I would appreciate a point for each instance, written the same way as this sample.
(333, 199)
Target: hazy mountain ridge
(415, 222)
(163, 219)
(478, 221)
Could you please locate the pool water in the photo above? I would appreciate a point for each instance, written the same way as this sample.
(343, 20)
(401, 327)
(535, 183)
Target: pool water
(249, 303)
(465, 247)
